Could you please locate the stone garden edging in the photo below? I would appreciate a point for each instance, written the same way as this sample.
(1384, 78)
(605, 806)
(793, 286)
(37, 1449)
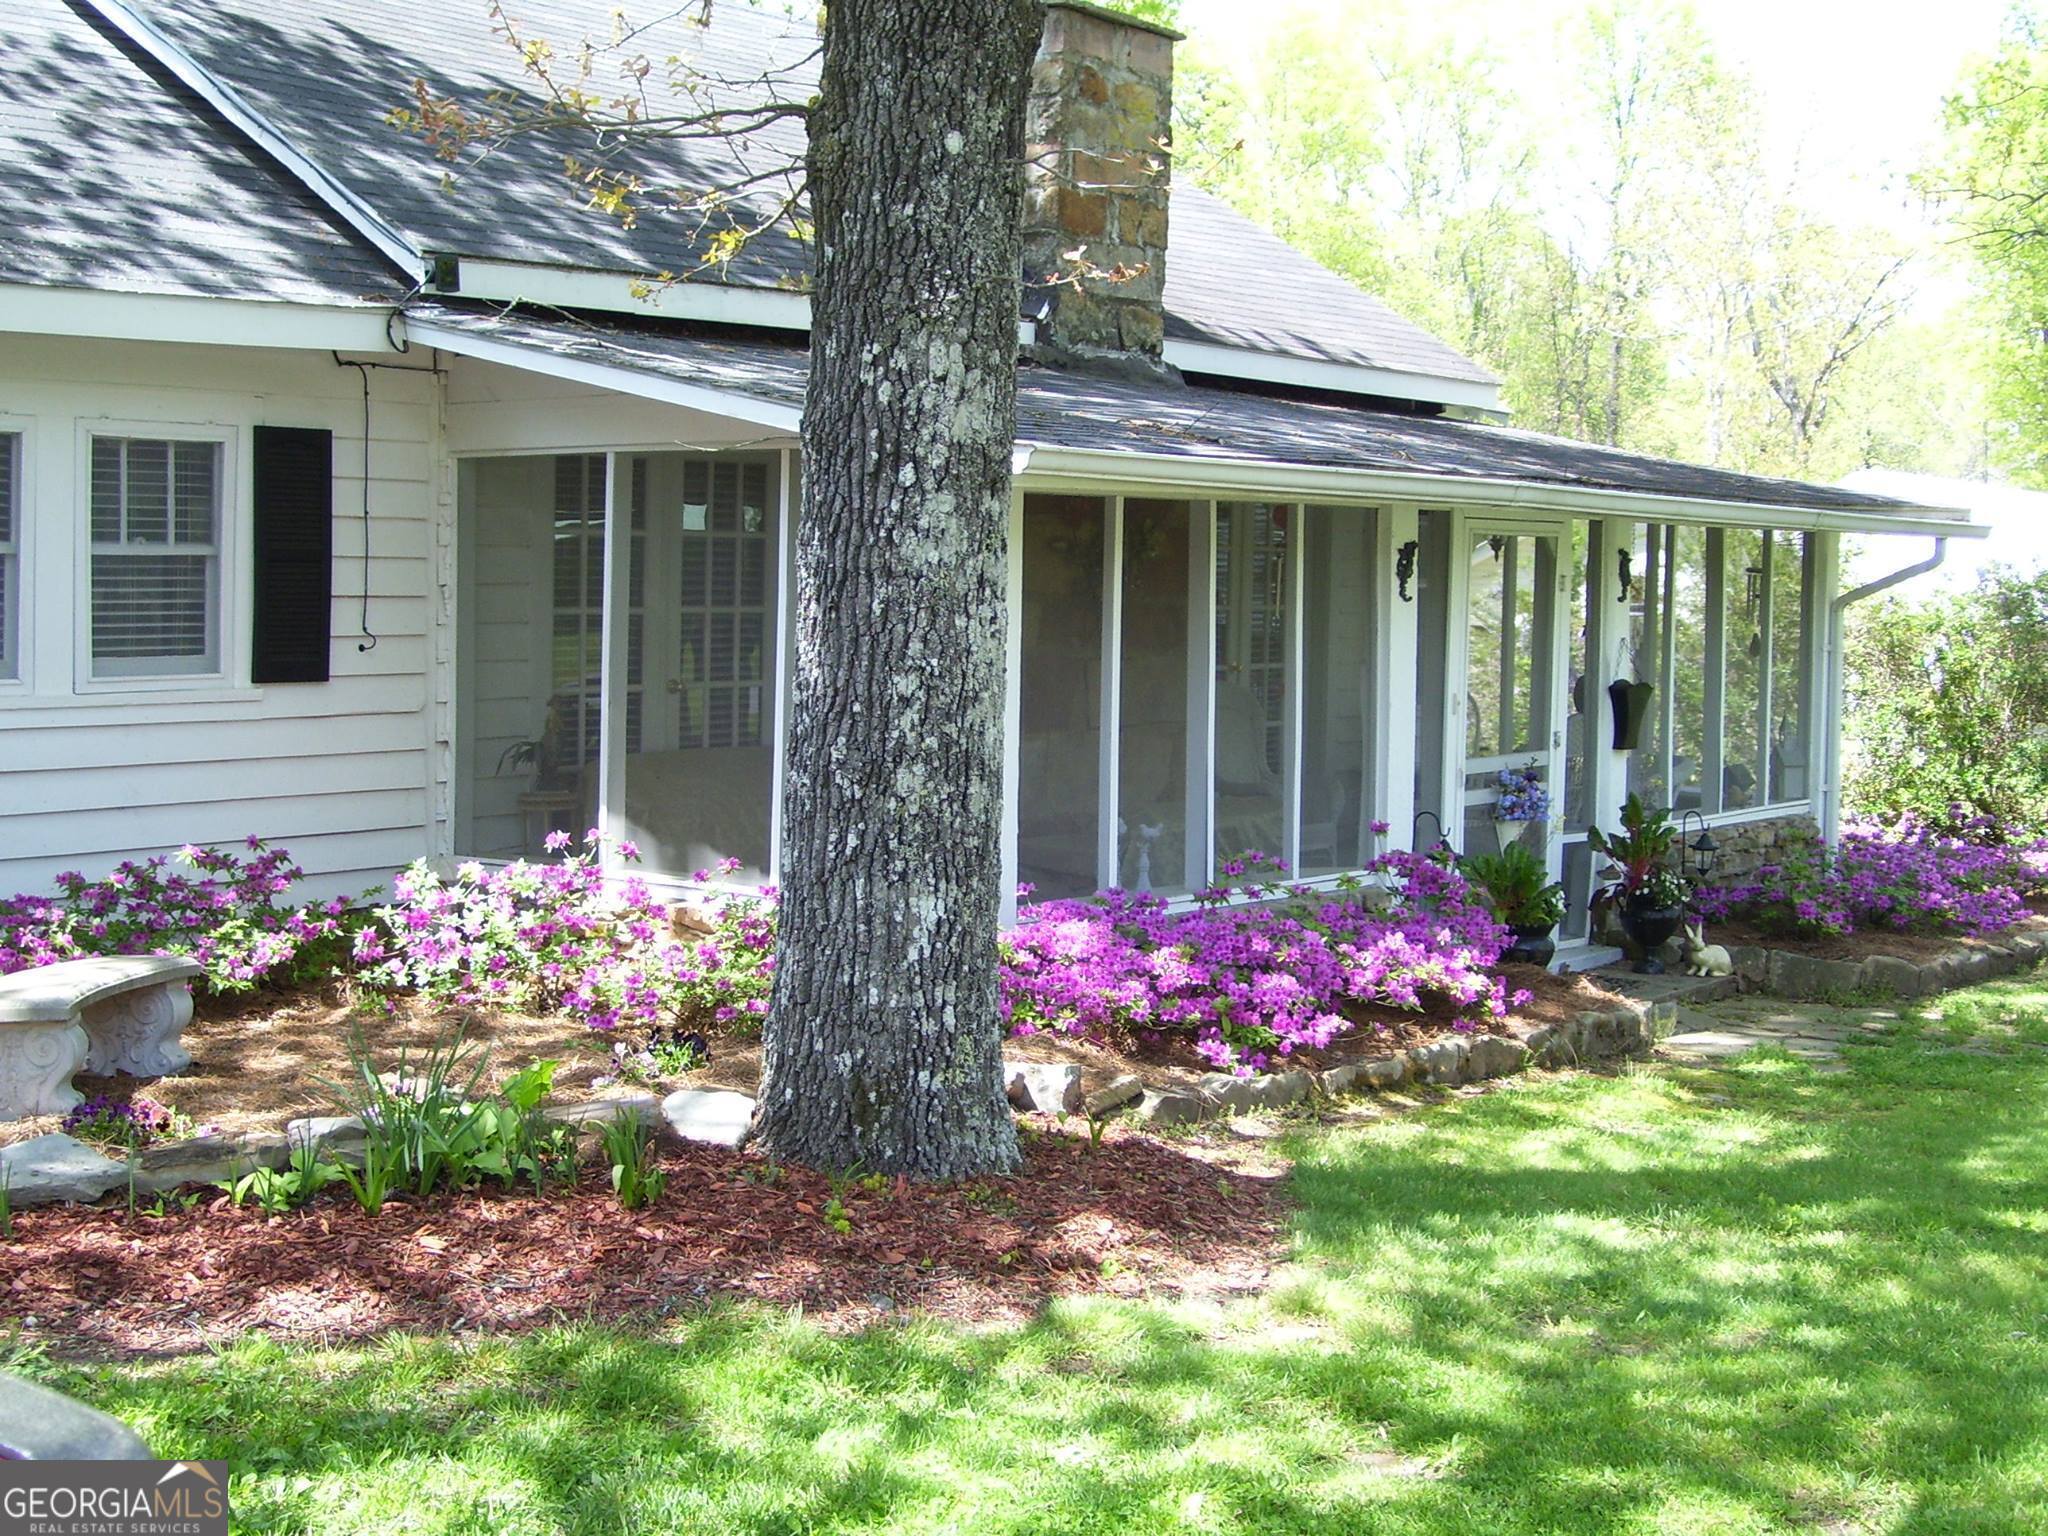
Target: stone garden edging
(1625, 1029)
(1799, 977)
(58, 1168)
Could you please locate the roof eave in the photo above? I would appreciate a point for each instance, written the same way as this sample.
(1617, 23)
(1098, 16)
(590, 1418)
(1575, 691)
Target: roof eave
(1220, 361)
(1054, 467)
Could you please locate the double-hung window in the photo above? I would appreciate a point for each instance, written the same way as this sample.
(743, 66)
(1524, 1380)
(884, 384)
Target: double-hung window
(156, 564)
(10, 555)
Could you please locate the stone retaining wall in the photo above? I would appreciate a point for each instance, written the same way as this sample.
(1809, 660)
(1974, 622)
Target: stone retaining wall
(1740, 847)
(1808, 978)
(1627, 1029)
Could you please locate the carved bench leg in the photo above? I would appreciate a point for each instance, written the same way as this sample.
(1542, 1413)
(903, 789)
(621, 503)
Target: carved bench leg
(36, 1064)
(137, 1032)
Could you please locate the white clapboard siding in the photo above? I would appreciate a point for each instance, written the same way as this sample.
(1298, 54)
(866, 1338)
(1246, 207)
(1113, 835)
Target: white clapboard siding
(337, 772)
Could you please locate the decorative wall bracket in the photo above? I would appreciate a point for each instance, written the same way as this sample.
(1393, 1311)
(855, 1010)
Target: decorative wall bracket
(1404, 569)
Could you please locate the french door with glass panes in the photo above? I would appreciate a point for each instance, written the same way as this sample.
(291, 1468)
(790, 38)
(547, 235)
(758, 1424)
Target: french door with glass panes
(1509, 712)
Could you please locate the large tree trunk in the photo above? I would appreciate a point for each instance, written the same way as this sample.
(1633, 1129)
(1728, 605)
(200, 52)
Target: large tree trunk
(883, 1043)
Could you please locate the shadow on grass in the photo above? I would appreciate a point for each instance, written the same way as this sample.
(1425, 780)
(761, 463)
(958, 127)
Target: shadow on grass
(1747, 1300)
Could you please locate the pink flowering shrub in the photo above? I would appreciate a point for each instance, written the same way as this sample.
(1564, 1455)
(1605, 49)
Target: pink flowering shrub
(1250, 985)
(231, 915)
(553, 937)
(1906, 876)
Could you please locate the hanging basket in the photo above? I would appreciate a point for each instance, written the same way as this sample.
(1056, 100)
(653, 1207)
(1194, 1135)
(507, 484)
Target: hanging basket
(1631, 708)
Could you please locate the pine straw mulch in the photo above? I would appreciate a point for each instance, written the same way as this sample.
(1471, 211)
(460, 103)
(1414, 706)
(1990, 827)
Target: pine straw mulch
(1135, 1216)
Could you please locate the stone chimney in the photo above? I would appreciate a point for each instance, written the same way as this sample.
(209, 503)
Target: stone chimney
(1096, 181)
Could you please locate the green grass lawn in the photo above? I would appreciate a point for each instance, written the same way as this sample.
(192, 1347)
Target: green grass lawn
(1749, 1300)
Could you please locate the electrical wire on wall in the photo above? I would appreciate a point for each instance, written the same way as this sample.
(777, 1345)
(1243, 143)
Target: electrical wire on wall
(369, 640)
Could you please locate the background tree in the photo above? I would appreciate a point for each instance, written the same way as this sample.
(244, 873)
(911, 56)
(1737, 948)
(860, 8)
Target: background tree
(1948, 705)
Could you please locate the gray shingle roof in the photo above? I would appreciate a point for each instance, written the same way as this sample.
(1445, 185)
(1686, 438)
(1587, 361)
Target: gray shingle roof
(1073, 410)
(1232, 283)
(327, 72)
(114, 178)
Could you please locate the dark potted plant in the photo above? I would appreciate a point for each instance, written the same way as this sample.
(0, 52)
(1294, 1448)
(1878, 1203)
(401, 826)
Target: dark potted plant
(1647, 894)
(1519, 891)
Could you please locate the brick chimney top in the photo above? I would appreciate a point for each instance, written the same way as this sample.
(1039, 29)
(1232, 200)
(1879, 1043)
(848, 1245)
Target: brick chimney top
(1097, 173)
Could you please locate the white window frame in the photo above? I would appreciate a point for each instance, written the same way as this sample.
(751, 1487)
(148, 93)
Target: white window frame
(17, 628)
(223, 616)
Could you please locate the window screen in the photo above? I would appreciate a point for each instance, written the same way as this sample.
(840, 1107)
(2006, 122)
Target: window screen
(155, 557)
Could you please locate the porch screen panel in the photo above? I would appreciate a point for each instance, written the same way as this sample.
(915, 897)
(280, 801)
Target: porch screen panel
(10, 553)
(1336, 621)
(1649, 554)
(531, 689)
(1687, 648)
(699, 782)
(1060, 695)
(1508, 658)
(1253, 688)
(1746, 614)
(1153, 841)
(1792, 587)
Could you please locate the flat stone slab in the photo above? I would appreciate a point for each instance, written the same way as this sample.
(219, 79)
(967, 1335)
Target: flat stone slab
(1051, 1087)
(55, 1167)
(714, 1115)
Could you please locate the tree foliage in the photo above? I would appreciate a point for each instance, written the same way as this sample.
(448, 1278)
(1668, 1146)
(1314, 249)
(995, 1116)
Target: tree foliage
(1993, 177)
(1948, 705)
(1610, 236)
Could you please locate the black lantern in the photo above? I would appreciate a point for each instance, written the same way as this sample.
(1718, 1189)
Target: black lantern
(1699, 853)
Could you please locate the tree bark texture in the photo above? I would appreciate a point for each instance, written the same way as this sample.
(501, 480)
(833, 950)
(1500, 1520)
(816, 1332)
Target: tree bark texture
(883, 1040)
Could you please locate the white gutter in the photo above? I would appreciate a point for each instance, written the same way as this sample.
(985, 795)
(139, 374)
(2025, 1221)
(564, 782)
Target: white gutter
(1831, 782)
(1216, 360)
(346, 206)
(609, 376)
(1093, 469)
(29, 310)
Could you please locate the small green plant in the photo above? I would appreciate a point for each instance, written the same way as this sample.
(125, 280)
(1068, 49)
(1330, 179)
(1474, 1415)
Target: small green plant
(425, 1121)
(1098, 1127)
(373, 1185)
(1516, 886)
(277, 1190)
(6, 1209)
(636, 1178)
(1638, 852)
(837, 1217)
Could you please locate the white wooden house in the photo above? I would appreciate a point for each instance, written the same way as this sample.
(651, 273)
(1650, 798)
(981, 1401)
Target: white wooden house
(383, 521)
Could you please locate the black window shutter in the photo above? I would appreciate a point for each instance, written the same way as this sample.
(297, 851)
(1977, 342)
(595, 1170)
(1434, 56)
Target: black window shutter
(294, 499)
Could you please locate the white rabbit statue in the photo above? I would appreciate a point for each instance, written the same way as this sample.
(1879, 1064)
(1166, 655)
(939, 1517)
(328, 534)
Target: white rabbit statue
(1702, 958)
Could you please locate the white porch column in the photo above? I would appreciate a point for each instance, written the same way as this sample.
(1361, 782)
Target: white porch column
(1108, 845)
(611, 737)
(1390, 702)
(1013, 696)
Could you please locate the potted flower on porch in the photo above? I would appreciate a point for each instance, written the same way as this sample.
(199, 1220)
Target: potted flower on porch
(1522, 896)
(1520, 801)
(1646, 892)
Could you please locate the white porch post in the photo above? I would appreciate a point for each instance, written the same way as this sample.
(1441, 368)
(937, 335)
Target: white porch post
(1714, 679)
(1391, 681)
(1013, 695)
(1607, 629)
(1201, 746)
(1457, 667)
(611, 735)
(1290, 728)
(785, 649)
(1824, 667)
(1109, 846)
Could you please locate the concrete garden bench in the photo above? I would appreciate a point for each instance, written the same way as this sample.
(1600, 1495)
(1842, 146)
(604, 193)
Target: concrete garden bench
(111, 1013)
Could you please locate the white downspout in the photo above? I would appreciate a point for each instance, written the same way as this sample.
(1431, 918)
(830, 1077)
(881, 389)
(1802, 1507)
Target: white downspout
(1831, 784)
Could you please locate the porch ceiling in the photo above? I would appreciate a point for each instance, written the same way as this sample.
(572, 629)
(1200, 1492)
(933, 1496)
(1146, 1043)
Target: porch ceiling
(1087, 428)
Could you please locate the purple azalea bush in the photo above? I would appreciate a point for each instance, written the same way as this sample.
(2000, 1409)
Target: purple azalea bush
(556, 937)
(1250, 985)
(232, 916)
(1904, 876)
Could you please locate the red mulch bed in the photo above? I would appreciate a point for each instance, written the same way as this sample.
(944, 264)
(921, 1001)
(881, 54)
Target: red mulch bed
(1135, 1216)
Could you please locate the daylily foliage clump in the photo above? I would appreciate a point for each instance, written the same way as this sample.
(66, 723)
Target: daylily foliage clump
(1902, 876)
(1252, 984)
